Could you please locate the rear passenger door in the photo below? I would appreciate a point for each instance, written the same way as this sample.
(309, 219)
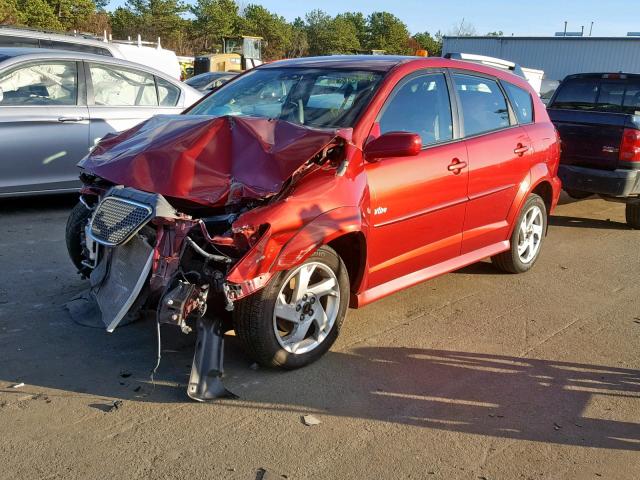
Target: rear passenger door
(44, 126)
(499, 158)
(120, 98)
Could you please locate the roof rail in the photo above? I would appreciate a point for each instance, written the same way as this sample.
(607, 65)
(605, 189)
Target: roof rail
(488, 61)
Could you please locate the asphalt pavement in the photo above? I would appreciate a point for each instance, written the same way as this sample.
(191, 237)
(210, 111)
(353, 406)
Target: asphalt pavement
(474, 375)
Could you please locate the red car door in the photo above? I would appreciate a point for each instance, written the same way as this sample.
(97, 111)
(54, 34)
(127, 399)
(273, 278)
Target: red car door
(417, 202)
(499, 159)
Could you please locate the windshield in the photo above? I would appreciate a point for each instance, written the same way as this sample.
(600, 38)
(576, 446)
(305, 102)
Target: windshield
(305, 96)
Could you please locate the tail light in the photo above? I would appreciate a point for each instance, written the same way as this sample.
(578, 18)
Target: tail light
(630, 146)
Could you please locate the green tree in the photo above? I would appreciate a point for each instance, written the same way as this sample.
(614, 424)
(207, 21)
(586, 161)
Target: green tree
(39, 14)
(327, 35)
(318, 27)
(359, 21)
(152, 19)
(274, 29)
(498, 33)
(299, 45)
(10, 14)
(432, 44)
(344, 36)
(387, 32)
(73, 14)
(214, 19)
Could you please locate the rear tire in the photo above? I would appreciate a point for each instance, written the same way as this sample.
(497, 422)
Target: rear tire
(526, 240)
(74, 235)
(632, 212)
(577, 194)
(272, 340)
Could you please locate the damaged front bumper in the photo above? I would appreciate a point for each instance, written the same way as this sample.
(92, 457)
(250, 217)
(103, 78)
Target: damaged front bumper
(151, 257)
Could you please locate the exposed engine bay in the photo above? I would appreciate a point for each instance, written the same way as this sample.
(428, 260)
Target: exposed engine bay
(165, 202)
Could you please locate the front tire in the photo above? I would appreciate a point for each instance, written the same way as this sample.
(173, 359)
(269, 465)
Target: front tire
(632, 212)
(296, 318)
(526, 239)
(74, 236)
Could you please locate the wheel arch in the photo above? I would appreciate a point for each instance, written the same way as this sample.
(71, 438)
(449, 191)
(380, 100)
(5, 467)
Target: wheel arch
(352, 249)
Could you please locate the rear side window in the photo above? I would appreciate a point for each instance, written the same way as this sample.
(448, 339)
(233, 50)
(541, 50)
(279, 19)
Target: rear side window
(118, 87)
(421, 105)
(484, 107)
(599, 94)
(521, 102)
(46, 83)
(168, 93)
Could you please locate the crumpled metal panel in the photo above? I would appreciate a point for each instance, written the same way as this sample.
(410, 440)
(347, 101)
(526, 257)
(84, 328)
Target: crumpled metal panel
(208, 160)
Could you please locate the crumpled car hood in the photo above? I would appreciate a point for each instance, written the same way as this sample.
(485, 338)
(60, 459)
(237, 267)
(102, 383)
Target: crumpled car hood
(211, 161)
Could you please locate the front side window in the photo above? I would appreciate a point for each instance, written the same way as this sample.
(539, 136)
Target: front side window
(118, 87)
(484, 107)
(521, 102)
(306, 96)
(420, 105)
(50, 83)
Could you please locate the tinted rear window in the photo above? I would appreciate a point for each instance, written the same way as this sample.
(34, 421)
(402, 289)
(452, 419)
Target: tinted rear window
(599, 94)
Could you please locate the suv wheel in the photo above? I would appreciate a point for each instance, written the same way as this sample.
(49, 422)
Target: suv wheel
(577, 194)
(526, 239)
(296, 318)
(632, 212)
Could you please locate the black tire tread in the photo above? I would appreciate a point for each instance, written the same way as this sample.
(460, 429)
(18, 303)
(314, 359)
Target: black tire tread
(249, 311)
(75, 223)
(632, 214)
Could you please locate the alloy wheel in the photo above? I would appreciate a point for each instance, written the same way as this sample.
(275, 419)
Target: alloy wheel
(306, 307)
(530, 234)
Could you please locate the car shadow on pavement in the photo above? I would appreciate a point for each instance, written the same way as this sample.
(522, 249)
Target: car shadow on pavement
(578, 222)
(484, 394)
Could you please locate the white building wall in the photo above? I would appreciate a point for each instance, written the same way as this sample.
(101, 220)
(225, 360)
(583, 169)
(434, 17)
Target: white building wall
(557, 56)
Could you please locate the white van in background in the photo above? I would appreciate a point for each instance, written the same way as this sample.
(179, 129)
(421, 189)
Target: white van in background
(145, 53)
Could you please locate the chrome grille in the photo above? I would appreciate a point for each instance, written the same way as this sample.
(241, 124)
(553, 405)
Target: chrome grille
(116, 220)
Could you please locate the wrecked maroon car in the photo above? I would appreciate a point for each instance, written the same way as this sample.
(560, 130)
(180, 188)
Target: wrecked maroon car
(267, 207)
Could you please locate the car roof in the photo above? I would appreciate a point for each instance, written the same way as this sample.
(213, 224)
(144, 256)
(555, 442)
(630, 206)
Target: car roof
(9, 53)
(381, 63)
(385, 63)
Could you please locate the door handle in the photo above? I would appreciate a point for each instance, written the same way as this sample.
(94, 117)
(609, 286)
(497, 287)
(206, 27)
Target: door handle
(70, 119)
(456, 166)
(520, 149)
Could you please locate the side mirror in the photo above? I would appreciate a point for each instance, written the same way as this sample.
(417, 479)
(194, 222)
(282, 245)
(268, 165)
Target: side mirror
(393, 144)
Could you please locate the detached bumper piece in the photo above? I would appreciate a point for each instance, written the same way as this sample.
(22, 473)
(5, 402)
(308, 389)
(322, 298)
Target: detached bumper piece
(614, 183)
(205, 382)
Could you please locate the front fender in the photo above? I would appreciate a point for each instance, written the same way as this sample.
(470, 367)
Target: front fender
(278, 251)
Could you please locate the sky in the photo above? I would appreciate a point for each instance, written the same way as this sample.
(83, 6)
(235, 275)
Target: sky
(538, 17)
